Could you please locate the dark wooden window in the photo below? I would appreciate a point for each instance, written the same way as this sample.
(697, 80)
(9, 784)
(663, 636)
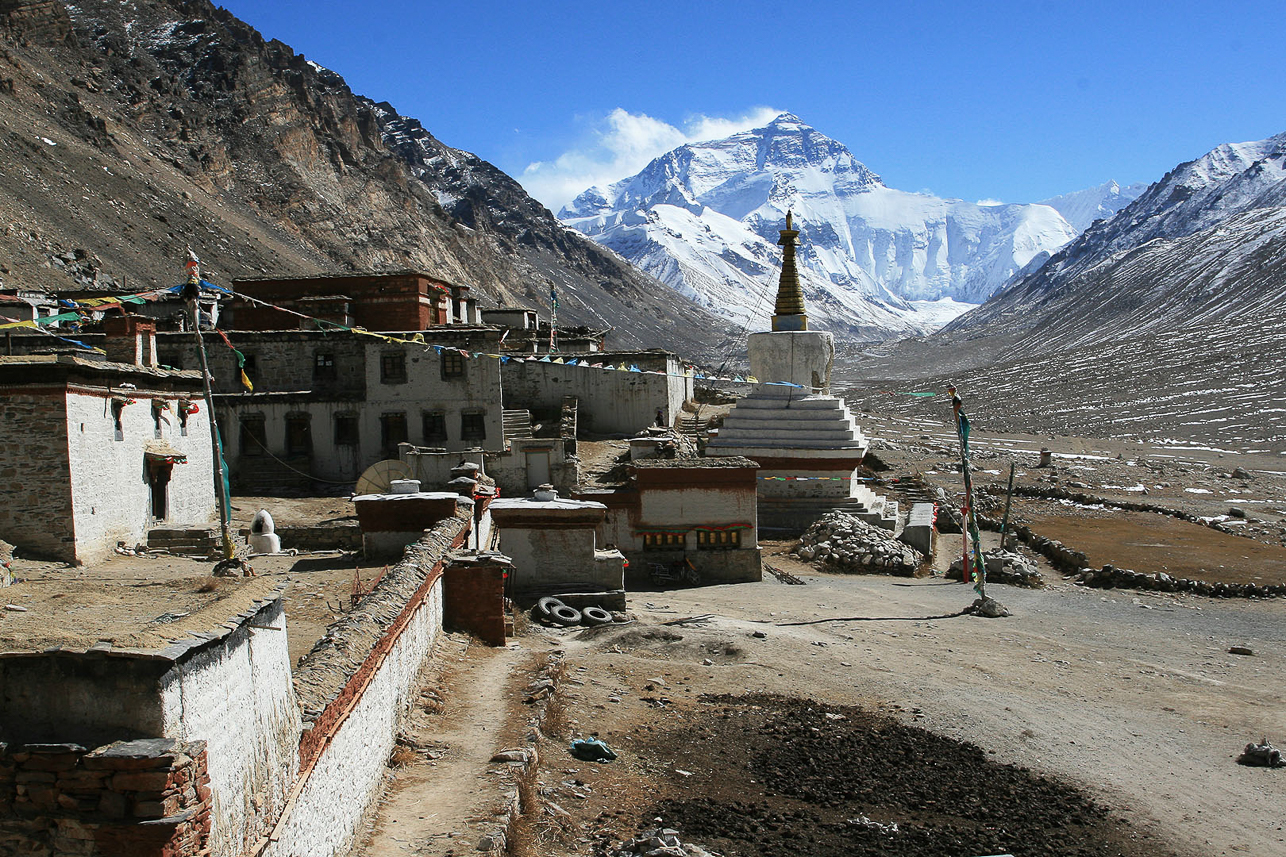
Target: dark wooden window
(251, 368)
(392, 432)
(254, 436)
(473, 425)
(718, 539)
(346, 433)
(323, 366)
(452, 365)
(435, 426)
(393, 367)
(118, 411)
(299, 434)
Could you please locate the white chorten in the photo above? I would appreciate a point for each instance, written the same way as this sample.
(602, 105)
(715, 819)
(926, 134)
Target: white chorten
(806, 441)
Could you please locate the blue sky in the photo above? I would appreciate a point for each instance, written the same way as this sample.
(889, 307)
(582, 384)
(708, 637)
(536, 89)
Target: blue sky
(1013, 101)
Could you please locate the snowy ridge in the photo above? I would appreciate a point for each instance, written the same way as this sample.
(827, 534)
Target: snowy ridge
(1081, 208)
(1203, 246)
(875, 262)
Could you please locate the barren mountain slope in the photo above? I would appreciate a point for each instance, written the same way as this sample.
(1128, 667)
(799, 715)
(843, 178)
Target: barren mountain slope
(131, 130)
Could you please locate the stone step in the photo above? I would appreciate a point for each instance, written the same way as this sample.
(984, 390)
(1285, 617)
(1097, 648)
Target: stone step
(775, 403)
(517, 423)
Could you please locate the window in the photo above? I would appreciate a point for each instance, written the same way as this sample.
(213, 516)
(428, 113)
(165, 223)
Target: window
(254, 437)
(346, 430)
(452, 365)
(158, 408)
(393, 367)
(392, 432)
(718, 539)
(473, 426)
(118, 409)
(663, 541)
(185, 408)
(435, 426)
(323, 366)
(251, 368)
(299, 434)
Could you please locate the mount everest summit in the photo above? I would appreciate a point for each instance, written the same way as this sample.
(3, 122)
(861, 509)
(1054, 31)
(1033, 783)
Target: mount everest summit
(875, 262)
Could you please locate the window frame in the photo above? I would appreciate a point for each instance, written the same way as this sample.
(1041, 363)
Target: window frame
(341, 438)
(452, 365)
(479, 431)
(439, 420)
(392, 367)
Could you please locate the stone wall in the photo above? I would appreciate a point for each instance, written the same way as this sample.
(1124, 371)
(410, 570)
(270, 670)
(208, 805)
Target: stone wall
(127, 799)
(35, 482)
(238, 698)
(111, 494)
(284, 361)
(353, 688)
(610, 402)
(473, 597)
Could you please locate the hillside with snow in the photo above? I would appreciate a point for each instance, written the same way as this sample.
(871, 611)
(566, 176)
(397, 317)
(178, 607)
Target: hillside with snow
(1081, 208)
(1166, 321)
(875, 262)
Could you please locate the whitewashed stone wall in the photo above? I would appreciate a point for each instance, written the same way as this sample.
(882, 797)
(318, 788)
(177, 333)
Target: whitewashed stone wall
(610, 402)
(238, 697)
(347, 777)
(111, 496)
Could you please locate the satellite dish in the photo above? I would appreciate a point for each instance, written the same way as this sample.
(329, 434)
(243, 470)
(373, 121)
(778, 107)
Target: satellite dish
(378, 478)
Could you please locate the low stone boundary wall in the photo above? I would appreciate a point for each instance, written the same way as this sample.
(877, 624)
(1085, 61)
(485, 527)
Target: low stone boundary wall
(127, 799)
(353, 688)
(1073, 562)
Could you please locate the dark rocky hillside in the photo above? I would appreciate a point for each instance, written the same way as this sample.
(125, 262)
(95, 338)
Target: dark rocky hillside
(132, 130)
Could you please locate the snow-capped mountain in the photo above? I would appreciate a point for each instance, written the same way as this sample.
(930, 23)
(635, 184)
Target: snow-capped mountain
(1203, 246)
(1081, 208)
(875, 262)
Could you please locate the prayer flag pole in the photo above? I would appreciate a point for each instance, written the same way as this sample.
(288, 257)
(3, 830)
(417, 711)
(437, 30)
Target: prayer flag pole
(192, 294)
(970, 522)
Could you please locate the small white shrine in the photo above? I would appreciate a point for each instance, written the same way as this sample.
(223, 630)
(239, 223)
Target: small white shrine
(806, 441)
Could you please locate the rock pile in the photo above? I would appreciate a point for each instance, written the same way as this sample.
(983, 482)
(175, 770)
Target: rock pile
(1005, 567)
(1111, 577)
(847, 543)
(660, 842)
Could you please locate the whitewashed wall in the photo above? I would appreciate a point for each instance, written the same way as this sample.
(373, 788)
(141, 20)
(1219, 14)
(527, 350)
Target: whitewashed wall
(239, 698)
(111, 497)
(347, 777)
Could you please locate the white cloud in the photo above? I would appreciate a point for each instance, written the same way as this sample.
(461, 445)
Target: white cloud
(990, 202)
(619, 145)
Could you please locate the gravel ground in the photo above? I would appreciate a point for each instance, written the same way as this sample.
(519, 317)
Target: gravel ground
(1127, 708)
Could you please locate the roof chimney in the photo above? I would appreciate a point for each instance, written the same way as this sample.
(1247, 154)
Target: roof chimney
(130, 339)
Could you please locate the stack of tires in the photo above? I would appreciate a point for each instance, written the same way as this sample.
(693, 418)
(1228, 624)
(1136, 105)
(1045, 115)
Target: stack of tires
(552, 611)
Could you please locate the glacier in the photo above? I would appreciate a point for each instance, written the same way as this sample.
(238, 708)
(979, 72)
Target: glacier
(875, 262)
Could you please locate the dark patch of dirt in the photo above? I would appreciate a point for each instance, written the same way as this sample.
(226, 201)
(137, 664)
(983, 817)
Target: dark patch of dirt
(771, 775)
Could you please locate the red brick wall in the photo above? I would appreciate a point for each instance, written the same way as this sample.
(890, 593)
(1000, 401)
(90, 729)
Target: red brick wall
(386, 302)
(128, 799)
(473, 600)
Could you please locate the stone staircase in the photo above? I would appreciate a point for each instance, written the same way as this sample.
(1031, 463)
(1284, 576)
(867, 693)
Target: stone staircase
(797, 513)
(196, 541)
(517, 423)
(690, 425)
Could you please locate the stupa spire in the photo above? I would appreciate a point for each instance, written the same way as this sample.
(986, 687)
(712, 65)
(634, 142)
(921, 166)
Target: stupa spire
(789, 313)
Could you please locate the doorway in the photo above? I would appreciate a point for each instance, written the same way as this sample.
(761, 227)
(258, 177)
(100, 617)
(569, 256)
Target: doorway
(158, 477)
(537, 467)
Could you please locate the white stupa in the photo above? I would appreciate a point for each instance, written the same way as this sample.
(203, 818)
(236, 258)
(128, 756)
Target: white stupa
(806, 441)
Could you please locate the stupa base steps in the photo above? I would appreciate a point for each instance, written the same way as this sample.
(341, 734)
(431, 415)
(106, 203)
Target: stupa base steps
(796, 514)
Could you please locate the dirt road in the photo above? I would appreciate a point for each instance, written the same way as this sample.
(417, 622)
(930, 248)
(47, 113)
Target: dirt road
(1132, 696)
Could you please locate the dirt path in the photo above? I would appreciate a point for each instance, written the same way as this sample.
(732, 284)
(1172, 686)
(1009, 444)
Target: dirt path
(1132, 697)
(446, 780)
